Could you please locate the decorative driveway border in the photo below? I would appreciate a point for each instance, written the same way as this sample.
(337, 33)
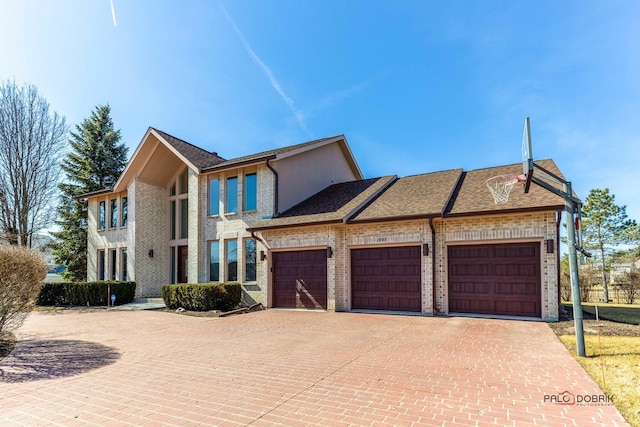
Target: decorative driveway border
(108, 368)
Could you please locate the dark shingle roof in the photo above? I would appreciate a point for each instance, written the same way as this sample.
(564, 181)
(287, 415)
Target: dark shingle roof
(333, 204)
(197, 156)
(413, 196)
(264, 154)
(474, 197)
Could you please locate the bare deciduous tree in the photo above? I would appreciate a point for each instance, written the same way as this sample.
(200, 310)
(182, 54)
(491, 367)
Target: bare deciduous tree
(31, 144)
(630, 286)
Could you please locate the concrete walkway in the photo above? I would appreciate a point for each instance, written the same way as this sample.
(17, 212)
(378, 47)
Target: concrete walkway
(141, 304)
(293, 368)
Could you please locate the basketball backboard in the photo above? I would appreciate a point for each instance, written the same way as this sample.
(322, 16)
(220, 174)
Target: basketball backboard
(527, 155)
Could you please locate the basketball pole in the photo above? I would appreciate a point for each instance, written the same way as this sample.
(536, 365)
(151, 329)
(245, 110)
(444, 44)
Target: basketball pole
(570, 208)
(571, 205)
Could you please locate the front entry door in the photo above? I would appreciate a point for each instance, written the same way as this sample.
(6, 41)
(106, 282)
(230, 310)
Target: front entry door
(183, 253)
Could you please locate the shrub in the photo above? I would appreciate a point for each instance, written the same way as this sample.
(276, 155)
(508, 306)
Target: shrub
(202, 296)
(21, 274)
(81, 293)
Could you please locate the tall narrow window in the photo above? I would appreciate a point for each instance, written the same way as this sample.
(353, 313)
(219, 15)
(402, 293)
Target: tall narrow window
(125, 211)
(184, 182)
(214, 261)
(172, 256)
(250, 260)
(112, 264)
(214, 197)
(113, 213)
(232, 260)
(124, 276)
(232, 195)
(102, 212)
(172, 220)
(184, 218)
(100, 265)
(250, 192)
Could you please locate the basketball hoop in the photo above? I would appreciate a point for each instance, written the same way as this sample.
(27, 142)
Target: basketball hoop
(501, 186)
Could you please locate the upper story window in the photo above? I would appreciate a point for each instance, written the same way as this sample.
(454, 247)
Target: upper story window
(184, 182)
(214, 197)
(232, 195)
(125, 211)
(179, 207)
(102, 215)
(113, 213)
(250, 192)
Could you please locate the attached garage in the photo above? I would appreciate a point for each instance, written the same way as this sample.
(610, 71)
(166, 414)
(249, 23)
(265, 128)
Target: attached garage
(300, 279)
(386, 278)
(500, 279)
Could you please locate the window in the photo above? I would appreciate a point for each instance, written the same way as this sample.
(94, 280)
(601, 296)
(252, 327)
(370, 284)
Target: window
(214, 261)
(123, 260)
(232, 195)
(100, 265)
(102, 215)
(172, 220)
(112, 264)
(184, 218)
(125, 211)
(214, 197)
(113, 213)
(250, 260)
(250, 192)
(172, 256)
(232, 260)
(184, 182)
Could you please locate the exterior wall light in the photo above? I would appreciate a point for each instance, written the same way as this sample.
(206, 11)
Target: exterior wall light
(425, 249)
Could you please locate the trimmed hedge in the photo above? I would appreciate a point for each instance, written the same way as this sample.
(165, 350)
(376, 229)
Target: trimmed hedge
(202, 296)
(81, 293)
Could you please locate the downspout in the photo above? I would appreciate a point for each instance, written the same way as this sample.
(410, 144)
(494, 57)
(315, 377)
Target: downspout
(433, 265)
(275, 192)
(558, 259)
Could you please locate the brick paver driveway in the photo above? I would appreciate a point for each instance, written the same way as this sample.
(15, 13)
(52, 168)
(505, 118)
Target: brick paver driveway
(99, 367)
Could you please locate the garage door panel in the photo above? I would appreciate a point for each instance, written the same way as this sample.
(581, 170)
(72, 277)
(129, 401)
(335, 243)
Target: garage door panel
(495, 279)
(300, 279)
(386, 278)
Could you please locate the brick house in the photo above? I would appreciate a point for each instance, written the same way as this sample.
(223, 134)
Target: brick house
(300, 227)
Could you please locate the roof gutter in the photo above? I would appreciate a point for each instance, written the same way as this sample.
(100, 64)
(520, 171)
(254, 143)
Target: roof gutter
(275, 190)
(218, 168)
(298, 225)
(433, 266)
(558, 260)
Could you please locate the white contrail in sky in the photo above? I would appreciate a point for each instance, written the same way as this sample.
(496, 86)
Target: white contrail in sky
(113, 13)
(296, 113)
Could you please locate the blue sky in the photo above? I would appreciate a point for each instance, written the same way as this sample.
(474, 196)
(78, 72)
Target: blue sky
(416, 86)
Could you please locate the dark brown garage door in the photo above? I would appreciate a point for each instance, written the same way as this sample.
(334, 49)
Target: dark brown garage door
(495, 279)
(300, 279)
(386, 278)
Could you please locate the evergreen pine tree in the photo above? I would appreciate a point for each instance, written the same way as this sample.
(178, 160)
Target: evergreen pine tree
(96, 160)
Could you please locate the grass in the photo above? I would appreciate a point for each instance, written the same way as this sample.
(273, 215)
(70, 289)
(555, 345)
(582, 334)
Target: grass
(621, 360)
(623, 313)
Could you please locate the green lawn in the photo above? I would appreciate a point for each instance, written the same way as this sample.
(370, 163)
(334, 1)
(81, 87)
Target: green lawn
(623, 313)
